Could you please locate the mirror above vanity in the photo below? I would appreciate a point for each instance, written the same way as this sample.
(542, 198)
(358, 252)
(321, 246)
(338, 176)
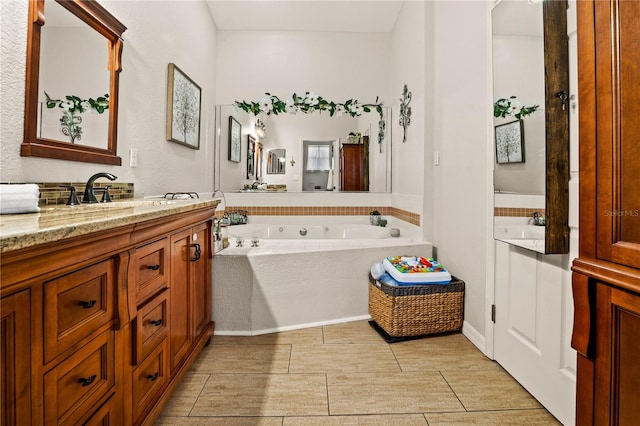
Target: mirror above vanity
(286, 164)
(531, 123)
(71, 105)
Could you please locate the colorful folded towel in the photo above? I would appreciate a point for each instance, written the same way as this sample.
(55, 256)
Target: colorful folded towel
(19, 198)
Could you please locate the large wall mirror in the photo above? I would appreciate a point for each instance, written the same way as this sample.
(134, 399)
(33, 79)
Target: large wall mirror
(283, 137)
(531, 119)
(74, 51)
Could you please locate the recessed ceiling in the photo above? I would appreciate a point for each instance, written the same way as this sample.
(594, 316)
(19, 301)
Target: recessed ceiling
(305, 15)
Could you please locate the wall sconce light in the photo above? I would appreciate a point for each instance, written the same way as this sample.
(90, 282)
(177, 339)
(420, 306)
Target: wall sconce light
(261, 129)
(292, 162)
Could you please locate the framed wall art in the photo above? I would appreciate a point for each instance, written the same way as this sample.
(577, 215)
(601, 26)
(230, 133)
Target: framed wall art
(235, 134)
(510, 142)
(183, 109)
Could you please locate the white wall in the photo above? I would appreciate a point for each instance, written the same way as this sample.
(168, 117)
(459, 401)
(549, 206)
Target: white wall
(408, 66)
(459, 186)
(337, 66)
(155, 36)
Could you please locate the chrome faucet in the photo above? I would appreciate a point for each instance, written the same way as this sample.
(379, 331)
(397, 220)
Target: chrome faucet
(89, 196)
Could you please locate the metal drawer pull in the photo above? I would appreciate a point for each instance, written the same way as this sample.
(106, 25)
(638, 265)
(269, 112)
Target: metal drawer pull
(87, 304)
(153, 377)
(157, 323)
(154, 267)
(86, 381)
(197, 252)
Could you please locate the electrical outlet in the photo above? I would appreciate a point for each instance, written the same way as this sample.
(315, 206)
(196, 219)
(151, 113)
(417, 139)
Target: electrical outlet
(436, 158)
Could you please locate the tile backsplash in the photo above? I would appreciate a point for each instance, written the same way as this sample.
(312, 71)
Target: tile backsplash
(52, 193)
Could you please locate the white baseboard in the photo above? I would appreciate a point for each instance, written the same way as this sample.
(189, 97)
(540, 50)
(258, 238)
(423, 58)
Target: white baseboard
(290, 327)
(474, 336)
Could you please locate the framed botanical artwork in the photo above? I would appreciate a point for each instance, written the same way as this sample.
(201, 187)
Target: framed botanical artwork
(235, 134)
(183, 109)
(251, 149)
(510, 142)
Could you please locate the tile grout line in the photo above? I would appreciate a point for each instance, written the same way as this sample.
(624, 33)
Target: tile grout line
(199, 393)
(454, 392)
(395, 357)
(326, 384)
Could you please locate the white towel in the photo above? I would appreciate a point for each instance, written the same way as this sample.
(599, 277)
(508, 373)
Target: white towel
(22, 198)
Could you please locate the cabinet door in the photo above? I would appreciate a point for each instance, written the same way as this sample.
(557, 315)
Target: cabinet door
(180, 327)
(15, 361)
(618, 150)
(200, 273)
(617, 389)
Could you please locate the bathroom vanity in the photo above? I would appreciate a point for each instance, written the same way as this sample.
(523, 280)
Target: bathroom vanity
(104, 308)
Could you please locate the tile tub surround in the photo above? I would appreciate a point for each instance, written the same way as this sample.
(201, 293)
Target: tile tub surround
(56, 223)
(516, 211)
(346, 374)
(407, 216)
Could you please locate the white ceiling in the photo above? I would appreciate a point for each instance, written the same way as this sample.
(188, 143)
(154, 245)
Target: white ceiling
(305, 15)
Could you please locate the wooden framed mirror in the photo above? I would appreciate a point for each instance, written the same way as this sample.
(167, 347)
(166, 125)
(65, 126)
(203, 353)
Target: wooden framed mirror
(531, 92)
(67, 139)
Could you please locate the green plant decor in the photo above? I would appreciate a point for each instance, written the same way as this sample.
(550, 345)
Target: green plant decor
(512, 107)
(72, 106)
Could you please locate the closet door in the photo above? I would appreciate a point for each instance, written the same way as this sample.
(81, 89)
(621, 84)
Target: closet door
(618, 150)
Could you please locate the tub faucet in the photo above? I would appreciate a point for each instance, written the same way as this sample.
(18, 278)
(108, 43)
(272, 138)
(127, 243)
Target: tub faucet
(89, 196)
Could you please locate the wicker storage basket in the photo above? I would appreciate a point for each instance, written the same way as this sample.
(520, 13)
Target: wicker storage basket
(404, 311)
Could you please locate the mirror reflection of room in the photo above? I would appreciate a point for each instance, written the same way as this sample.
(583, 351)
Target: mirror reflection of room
(286, 134)
(518, 70)
(72, 103)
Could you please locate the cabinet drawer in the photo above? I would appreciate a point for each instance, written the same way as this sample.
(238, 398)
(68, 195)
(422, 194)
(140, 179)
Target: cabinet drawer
(77, 384)
(151, 325)
(109, 414)
(149, 379)
(76, 305)
(152, 262)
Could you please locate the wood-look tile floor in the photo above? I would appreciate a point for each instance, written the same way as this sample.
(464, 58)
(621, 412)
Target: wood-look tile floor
(346, 374)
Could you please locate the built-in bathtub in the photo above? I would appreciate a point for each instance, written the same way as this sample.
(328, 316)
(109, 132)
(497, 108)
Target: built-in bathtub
(293, 281)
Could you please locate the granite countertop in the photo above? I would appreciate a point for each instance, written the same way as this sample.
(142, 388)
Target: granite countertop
(55, 223)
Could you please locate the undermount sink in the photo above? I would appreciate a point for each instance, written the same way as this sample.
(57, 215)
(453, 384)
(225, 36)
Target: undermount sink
(114, 205)
(130, 203)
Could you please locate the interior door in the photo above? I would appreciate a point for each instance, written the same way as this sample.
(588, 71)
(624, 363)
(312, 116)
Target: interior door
(533, 317)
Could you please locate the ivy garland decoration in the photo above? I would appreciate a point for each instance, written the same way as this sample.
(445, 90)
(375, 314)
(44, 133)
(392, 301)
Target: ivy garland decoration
(511, 107)
(308, 103)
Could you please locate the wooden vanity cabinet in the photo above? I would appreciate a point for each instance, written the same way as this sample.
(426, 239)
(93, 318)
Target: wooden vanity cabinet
(190, 298)
(87, 322)
(15, 358)
(606, 275)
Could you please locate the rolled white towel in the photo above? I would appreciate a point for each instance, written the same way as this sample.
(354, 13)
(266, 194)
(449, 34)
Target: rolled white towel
(377, 270)
(19, 198)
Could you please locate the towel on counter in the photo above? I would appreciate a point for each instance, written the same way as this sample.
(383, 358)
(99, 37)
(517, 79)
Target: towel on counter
(19, 198)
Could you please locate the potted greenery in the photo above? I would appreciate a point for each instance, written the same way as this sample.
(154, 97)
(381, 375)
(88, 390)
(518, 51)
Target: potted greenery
(374, 217)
